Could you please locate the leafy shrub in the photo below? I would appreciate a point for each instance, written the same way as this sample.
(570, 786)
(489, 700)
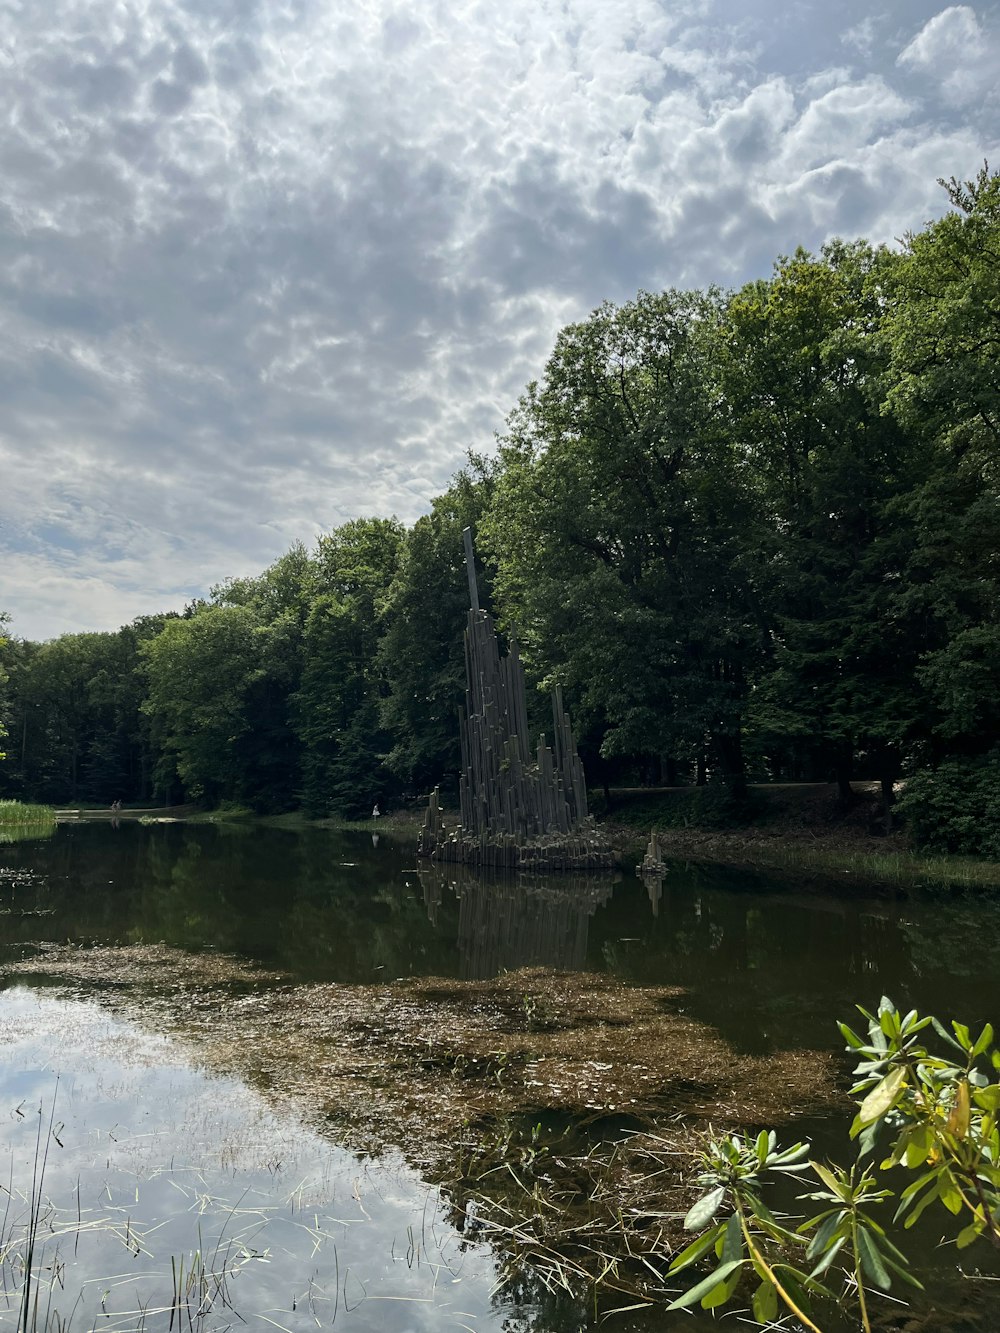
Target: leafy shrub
(956, 807)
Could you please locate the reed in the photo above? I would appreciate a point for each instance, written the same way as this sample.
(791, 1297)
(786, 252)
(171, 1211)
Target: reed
(20, 813)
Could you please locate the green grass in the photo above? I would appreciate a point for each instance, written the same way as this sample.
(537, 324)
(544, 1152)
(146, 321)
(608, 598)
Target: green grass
(19, 814)
(896, 866)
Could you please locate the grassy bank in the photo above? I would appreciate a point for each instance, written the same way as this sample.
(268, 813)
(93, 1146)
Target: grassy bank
(801, 829)
(18, 814)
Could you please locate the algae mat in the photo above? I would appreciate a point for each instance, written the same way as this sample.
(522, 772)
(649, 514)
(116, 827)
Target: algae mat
(417, 1060)
(463, 1075)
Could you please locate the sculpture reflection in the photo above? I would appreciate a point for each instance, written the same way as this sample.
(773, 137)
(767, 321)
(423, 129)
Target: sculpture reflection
(507, 921)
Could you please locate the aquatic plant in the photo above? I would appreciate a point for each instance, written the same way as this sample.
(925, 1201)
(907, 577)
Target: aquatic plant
(19, 813)
(939, 1108)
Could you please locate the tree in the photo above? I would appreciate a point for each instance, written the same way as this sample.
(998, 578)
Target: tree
(199, 671)
(270, 750)
(4, 621)
(337, 706)
(804, 377)
(421, 653)
(944, 337)
(622, 531)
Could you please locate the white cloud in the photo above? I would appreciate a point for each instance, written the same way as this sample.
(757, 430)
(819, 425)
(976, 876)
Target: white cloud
(955, 51)
(267, 267)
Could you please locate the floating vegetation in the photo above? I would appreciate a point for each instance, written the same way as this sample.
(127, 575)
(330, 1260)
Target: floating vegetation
(478, 1081)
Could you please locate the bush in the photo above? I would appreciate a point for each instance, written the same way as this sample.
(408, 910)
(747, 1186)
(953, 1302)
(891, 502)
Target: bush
(956, 807)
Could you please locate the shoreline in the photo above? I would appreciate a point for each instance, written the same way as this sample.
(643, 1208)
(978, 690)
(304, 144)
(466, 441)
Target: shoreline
(803, 832)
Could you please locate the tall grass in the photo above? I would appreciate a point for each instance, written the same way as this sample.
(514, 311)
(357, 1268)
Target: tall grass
(20, 813)
(904, 868)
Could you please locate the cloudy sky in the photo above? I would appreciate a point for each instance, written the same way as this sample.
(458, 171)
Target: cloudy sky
(266, 265)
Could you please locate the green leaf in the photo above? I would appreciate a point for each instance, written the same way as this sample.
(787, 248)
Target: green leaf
(883, 1096)
(732, 1244)
(696, 1249)
(903, 1273)
(702, 1212)
(705, 1286)
(919, 1209)
(722, 1293)
(988, 1098)
(918, 1148)
(871, 1260)
(963, 1034)
(824, 1236)
(828, 1258)
(945, 1035)
(854, 1042)
(984, 1040)
(949, 1193)
(968, 1234)
(829, 1180)
(765, 1303)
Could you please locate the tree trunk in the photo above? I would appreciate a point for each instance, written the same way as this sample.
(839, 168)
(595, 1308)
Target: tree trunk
(842, 770)
(888, 799)
(730, 751)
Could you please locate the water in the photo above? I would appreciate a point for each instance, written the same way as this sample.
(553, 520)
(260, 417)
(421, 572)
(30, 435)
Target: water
(161, 1159)
(155, 1170)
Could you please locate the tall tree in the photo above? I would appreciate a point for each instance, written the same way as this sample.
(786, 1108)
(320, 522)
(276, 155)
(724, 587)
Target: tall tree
(944, 330)
(622, 532)
(804, 380)
(421, 651)
(200, 671)
(337, 706)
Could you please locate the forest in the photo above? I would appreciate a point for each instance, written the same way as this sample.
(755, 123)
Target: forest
(753, 534)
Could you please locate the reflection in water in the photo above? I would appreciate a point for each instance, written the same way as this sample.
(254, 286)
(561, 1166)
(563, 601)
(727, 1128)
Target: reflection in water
(151, 1163)
(10, 833)
(770, 963)
(516, 920)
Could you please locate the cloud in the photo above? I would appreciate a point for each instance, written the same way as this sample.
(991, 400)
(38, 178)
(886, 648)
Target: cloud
(267, 267)
(957, 53)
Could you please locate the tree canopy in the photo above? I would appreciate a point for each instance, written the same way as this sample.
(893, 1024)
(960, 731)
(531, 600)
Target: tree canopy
(753, 534)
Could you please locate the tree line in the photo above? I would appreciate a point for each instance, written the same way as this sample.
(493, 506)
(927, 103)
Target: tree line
(754, 534)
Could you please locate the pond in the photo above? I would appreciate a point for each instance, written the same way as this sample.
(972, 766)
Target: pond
(181, 1182)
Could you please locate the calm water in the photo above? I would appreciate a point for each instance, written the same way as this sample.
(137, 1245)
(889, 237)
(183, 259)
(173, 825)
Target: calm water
(294, 1228)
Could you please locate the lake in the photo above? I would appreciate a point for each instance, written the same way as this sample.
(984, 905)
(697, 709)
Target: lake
(177, 1192)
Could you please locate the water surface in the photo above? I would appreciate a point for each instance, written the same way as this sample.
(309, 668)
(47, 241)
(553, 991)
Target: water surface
(154, 1159)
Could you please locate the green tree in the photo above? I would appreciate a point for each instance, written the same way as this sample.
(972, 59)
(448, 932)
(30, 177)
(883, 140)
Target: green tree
(421, 651)
(944, 334)
(337, 706)
(623, 533)
(200, 670)
(804, 379)
(4, 622)
(270, 750)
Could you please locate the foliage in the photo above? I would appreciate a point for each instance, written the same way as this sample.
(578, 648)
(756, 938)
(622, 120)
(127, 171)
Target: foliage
(337, 704)
(753, 534)
(622, 530)
(421, 650)
(956, 806)
(4, 620)
(938, 1107)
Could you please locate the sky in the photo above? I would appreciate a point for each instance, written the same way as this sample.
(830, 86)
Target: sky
(269, 265)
